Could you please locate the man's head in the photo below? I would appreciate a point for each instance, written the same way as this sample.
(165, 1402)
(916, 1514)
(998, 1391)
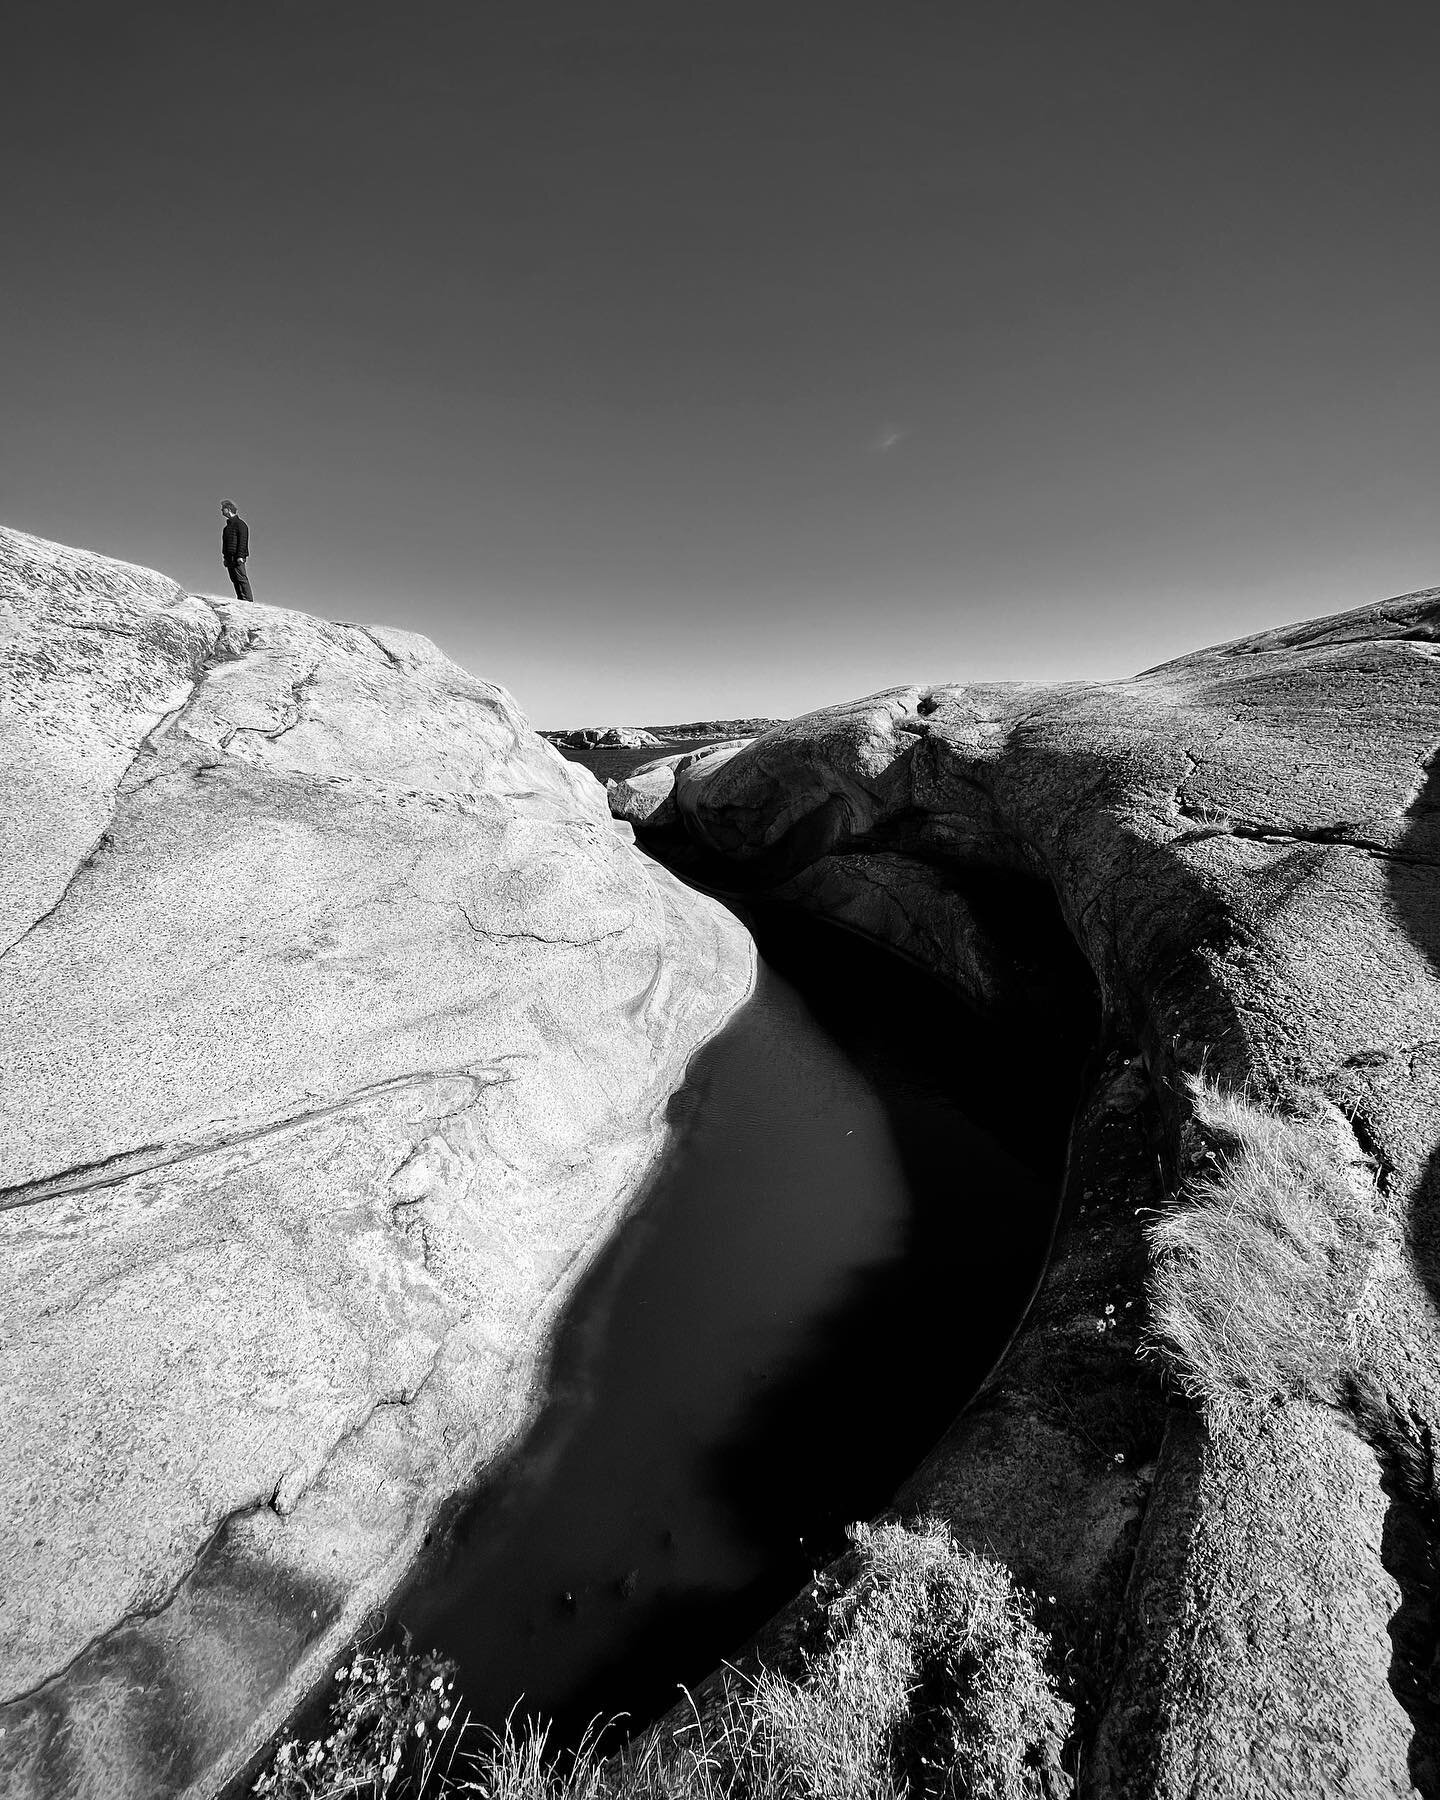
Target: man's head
(229, 509)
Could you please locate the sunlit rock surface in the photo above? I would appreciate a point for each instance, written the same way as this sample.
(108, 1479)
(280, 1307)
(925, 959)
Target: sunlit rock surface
(1244, 845)
(603, 737)
(339, 1023)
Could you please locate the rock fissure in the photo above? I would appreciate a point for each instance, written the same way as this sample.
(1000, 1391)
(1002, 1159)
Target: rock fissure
(1404, 1449)
(221, 650)
(1341, 834)
(1368, 1144)
(299, 694)
(396, 662)
(536, 937)
(94, 625)
(126, 1165)
(86, 862)
(292, 1486)
(104, 838)
(139, 1615)
(1427, 766)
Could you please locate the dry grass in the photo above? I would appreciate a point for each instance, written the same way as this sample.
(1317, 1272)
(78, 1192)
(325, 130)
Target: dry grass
(930, 1680)
(926, 1681)
(1258, 1264)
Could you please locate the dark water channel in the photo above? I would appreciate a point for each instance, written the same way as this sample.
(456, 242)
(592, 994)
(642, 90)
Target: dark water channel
(843, 1235)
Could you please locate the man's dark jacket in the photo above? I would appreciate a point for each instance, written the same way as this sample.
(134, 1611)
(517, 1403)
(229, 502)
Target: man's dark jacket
(235, 540)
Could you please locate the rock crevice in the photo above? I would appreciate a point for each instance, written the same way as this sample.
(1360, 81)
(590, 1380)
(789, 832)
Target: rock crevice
(1241, 848)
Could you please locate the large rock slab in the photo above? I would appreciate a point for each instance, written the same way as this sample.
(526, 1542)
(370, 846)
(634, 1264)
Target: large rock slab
(1245, 847)
(339, 1024)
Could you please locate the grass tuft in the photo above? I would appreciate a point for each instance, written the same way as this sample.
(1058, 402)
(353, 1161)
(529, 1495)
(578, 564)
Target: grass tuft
(930, 1680)
(925, 1680)
(1258, 1265)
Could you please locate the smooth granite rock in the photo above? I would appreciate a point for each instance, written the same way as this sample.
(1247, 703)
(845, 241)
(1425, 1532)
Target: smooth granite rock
(339, 1026)
(1245, 846)
(642, 798)
(647, 797)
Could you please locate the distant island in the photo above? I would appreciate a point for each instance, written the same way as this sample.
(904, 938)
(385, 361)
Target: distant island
(612, 752)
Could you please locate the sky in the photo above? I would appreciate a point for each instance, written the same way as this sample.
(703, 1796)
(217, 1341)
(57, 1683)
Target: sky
(677, 360)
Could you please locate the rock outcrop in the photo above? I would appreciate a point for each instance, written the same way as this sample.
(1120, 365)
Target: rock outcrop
(604, 737)
(712, 728)
(644, 737)
(647, 797)
(1245, 846)
(339, 1024)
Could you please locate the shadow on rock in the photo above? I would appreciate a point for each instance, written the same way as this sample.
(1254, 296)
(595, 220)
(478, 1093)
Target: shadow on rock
(1403, 1441)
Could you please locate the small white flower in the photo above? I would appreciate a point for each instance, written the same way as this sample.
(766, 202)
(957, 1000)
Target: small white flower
(1119, 1456)
(340, 1674)
(419, 1728)
(443, 1722)
(1109, 1309)
(437, 1683)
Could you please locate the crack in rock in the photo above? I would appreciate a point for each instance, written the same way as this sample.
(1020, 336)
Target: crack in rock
(284, 1489)
(126, 1164)
(225, 648)
(536, 937)
(1342, 833)
(300, 691)
(145, 747)
(140, 1615)
(294, 1483)
(1368, 1144)
(1417, 788)
(390, 656)
(1404, 1450)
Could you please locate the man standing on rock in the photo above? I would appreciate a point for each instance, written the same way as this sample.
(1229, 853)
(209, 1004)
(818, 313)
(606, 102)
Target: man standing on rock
(234, 548)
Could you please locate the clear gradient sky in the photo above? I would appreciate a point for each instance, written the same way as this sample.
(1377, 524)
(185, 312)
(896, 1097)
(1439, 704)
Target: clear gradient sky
(706, 357)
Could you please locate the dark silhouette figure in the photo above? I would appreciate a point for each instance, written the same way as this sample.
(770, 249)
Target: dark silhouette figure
(234, 548)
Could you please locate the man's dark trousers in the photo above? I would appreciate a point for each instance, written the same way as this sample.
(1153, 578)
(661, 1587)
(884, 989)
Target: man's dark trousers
(239, 579)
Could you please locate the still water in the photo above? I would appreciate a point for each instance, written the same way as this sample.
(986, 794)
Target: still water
(845, 1230)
